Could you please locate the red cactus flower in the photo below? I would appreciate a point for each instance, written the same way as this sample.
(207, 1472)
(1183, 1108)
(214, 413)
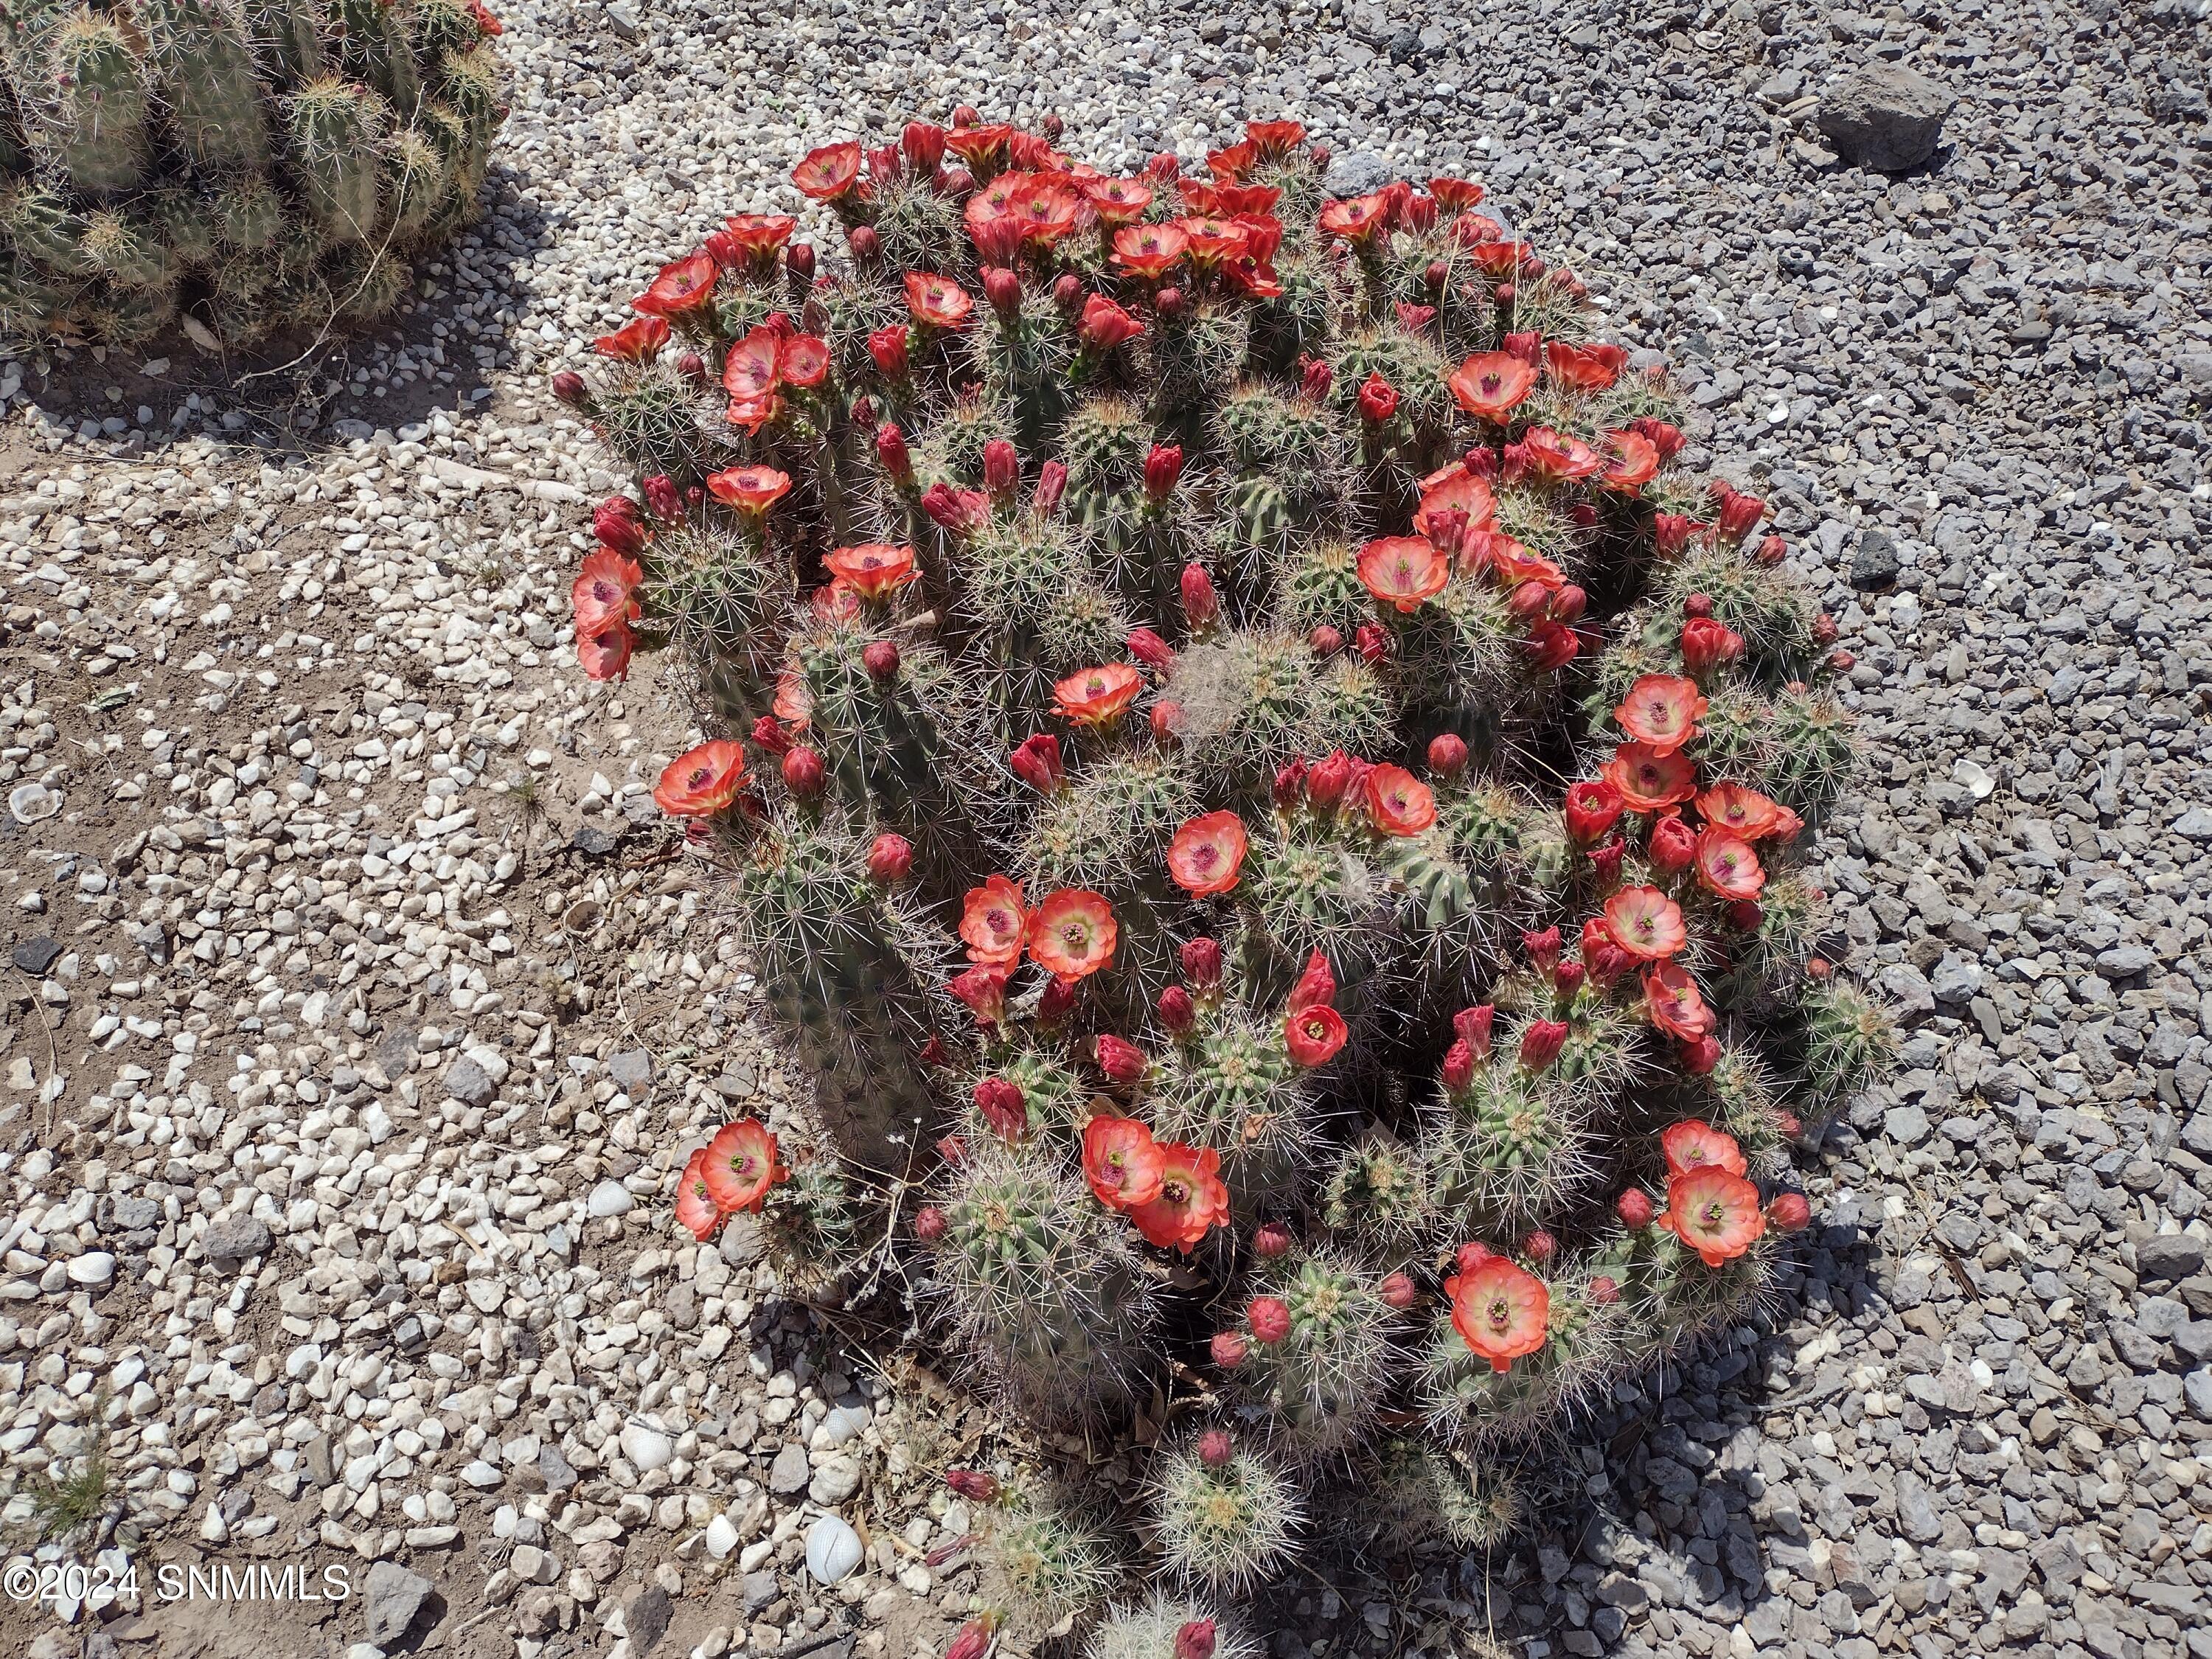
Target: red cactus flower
(890, 858)
(1037, 763)
(1696, 1144)
(1120, 1059)
(973, 1639)
(1489, 385)
(1121, 1162)
(1557, 458)
(1046, 212)
(1456, 195)
(994, 922)
(769, 735)
(1645, 923)
(751, 490)
(1002, 468)
(829, 173)
(1707, 645)
(603, 653)
(963, 511)
(1735, 515)
(618, 522)
(1649, 781)
(1662, 711)
(1315, 379)
(938, 301)
(1098, 696)
(1454, 490)
(758, 236)
(1117, 202)
(1550, 646)
(1742, 809)
(1458, 1066)
(702, 781)
(1163, 468)
(1149, 648)
(1714, 1212)
(1229, 1349)
(695, 1201)
(1359, 220)
(887, 350)
(1201, 606)
(1789, 1213)
(1674, 844)
(874, 570)
(1667, 439)
(1671, 999)
(638, 341)
(1585, 368)
(741, 1165)
(1268, 1318)
(1314, 1035)
(1630, 463)
(1399, 803)
(1004, 1107)
(1178, 1013)
(1403, 571)
(1316, 985)
(605, 592)
(976, 145)
(803, 773)
(1150, 252)
(892, 451)
(1105, 325)
(1194, 1639)
(1071, 933)
(1540, 1043)
(1593, 807)
(1500, 1311)
(1543, 949)
(1377, 399)
(1272, 138)
(1727, 865)
(1051, 485)
(683, 286)
(1212, 240)
(1192, 1200)
(983, 988)
(1206, 854)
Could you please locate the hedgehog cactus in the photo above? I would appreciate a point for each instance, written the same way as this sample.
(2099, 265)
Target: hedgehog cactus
(1158, 614)
(260, 165)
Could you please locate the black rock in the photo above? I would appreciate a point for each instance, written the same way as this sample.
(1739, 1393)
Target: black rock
(1876, 563)
(35, 955)
(1406, 46)
(645, 1621)
(593, 842)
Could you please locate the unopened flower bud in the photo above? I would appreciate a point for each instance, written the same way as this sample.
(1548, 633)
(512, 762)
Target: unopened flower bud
(1374, 644)
(568, 386)
(1569, 604)
(1194, 1639)
(1603, 1291)
(1215, 1448)
(1459, 1066)
(1745, 914)
(1121, 1060)
(1201, 962)
(1698, 1056)
(1790, 1213)
(803, 772)
(1317, 379)
(1051, 485)
(1166, 719)
(1052, 127)
(1540, 1247)
(1003, 288)
(1567, 979)
(881, 658)
(1437, 274)
(1472, 1255)
(867, 245)
(1162, 467)
(1398, 1291)
(662, 498)
(1674, 844)
(1772, 550)
(966, 116)
(1170, 304)
(892, 451)
(1635, 1207)
(770, 736)
(1325, 641)
(1178, 1013)
(1272, 1241)
(863, 412)
(1002, 468)
(1841, 662)
(1697, 604)
(977, 1485)
(1229, 1349)
(889, 858)
(798, 261)
(929, 1223)
(1201, 606)
(1447, 754)
(1067, 292)
(1269, 1318)
(1824, 629)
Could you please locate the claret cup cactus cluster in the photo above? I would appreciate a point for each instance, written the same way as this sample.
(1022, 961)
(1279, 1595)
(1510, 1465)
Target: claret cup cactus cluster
(257, 165)
(1265, 802)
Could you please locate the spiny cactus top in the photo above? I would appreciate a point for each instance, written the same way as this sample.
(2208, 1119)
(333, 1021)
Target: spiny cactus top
(262, 164)
(1254, 773)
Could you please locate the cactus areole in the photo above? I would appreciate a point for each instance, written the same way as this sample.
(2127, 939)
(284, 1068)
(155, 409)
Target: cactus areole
(1348, 773)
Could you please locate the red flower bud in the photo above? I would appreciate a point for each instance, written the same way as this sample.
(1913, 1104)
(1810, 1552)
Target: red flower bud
(1004, 1107)
(1163, 468)
(972, 1640)
(1169, 303)
(1374, 644)
(1569, 604)
(662, 498)
(1528, 603)
(1540, 1043)
(1473, 1256)
(1567, 979)
(867, 247)
(1635, 1207)
(976, 1486)
(1707, 644)
(1166, 719)
(1215, 1448)
(889, 858)
(1058, 997)
(798, 261)
(1269, 1317)
(1164, 167)
(892, 451)
(1053, 126)
(887, 350)
(1543, 949)
(1178, 1013)
(1399, 1292)
(881, 658)
(769, 735)
(1002, 468)
(1329, 779)
(1377, 399)
(1201, 962)
(1772, 550)
(568, 386)
(1841, 662)
(1447, 754)
(1604, 863)
(924, 146)
(929, 1223)
(1437, 274)
(1229, 1349)
(1698, 1056)
(1124, 1062)
(1201, 606)
(1067, 292)
(1459, 1066)
(1697, 604)
(1674, 844)
(1540, 1247)
(1505, 293)
(1003, 288)
(1051, 485)
(1290, 786)
(1824, 629)
(1315, 379)
(1194, 1639)
(693, 367)
(1788, 1125)
(1603, 1291)
(1789, 1213)
(618, 522)
(803, 773)
(966, 116)
(1473, 1027)
(1745, 914)
(1037, 763)
(1272, 1241)
(1149, 648)
(863, 412)
(1325, 641)
(1818, 967)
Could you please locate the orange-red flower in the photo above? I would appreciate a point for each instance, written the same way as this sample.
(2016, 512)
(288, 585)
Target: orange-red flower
(1671, 998)
(1232, 161)
(1585, 368)
(1491, 384)
(702, 781)
(1149, 250)
(829, 173)
(1644, 922)
(1403, 571)
(1662, 711)
(758, 236)
(978, 145)
(1456, 195)
(636, 341)
(1192, 1200)
(741, 1165)
(1105, 324)
(1274, 137)
(1071, 933)
(605, 591)
(994, 923)
(1096, 696)
(1212, 240)
(1501, 1310)
(1358, 220)
(1315, 1033)
(603, 653)
(936, 301)
(1727, 865)
(1118, 202)
(684, 285)
(1715, 1213)
(1649, 781)
(1045, 211)
(1631, 463)
(1556, 456)
(1206, 854)
(1696, 1144)
(1399, 803)
(1593, 807)
(695, 1201)
(873, 568)
(1739, 808)
(1121, 1162)
(751, 490)
(1454, 490)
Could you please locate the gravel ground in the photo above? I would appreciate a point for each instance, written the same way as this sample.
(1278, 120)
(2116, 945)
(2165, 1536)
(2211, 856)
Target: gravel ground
(359, 1011)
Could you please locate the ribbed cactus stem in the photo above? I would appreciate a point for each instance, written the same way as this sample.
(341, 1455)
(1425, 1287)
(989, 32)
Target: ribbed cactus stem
(286, 35)
(335, 128)
(100, 105)
(207, 79)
